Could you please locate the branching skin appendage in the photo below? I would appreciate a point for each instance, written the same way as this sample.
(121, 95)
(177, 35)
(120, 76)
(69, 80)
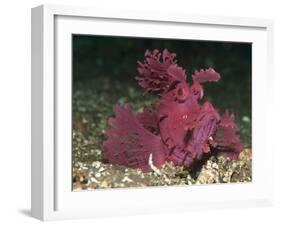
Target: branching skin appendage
(178, 128)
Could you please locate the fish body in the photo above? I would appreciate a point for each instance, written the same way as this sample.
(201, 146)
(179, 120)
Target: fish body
(178, 128)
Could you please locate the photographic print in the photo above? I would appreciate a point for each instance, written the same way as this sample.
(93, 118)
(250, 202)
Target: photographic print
(160, 112)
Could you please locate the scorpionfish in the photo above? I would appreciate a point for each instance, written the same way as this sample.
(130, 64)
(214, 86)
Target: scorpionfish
(179, 127)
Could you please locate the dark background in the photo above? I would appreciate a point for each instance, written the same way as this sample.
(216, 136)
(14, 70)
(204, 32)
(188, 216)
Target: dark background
(116, 58)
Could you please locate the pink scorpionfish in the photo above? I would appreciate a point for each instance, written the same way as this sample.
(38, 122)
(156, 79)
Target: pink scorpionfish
(178, 128)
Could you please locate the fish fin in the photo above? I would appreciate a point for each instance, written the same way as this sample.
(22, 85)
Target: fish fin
(206, 127)
(208, 75)
(226, 139)
(159, 71)
(130, 144)
(148, 118)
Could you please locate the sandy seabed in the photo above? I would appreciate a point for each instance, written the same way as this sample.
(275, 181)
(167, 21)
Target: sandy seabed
(93, 102)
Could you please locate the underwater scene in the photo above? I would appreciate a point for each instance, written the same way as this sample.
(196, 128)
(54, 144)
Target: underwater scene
(159, 112)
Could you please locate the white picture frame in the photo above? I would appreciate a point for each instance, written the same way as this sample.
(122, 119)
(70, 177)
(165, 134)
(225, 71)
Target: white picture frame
(52, 197)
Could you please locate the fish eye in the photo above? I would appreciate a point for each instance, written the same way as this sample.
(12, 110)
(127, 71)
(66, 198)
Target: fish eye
(180, 92)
